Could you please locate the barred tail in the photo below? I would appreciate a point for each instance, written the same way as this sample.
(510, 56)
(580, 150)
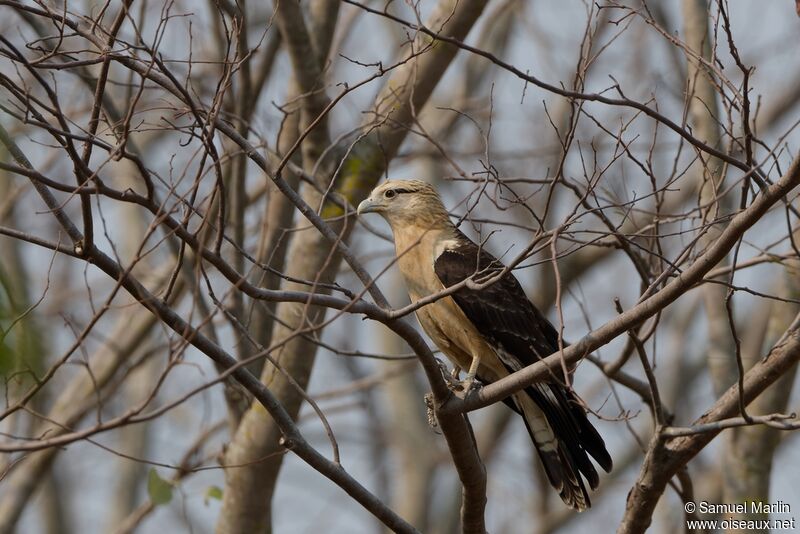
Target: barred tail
(563, 436)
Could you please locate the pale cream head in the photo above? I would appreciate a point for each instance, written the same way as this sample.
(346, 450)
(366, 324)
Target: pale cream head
(407, 203)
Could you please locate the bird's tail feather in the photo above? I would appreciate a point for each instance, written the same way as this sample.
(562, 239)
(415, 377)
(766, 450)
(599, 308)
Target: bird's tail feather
(563, 436)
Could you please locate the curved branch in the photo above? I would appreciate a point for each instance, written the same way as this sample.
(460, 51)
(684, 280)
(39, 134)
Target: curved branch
(642, 311)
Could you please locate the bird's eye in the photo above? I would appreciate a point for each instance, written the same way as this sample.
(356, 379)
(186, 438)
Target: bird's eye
(389, 193)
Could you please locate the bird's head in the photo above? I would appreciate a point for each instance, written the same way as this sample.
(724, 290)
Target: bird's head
(404, 202)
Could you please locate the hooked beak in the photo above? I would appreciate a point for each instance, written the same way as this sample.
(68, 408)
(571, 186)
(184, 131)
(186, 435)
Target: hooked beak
(368, 206)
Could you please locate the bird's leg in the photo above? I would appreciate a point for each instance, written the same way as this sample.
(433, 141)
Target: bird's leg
(469, 380)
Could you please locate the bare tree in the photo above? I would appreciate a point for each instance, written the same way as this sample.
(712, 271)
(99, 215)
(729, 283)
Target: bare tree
(196, 331)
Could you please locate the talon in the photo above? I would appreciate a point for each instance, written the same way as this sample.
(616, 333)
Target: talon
(455, 372)
(455, 385)
(469, 383)
(450, 377)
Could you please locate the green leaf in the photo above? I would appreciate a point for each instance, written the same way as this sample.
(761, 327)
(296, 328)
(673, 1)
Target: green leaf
(159, 490)
(213, 492)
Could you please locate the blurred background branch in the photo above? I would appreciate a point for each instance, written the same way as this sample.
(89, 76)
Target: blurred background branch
(206, 158)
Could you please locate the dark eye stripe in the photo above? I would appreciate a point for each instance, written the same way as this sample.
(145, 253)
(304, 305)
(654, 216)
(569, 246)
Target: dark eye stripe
(402, 191)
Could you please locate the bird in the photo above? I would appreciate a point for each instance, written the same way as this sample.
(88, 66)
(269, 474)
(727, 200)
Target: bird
(489, 329)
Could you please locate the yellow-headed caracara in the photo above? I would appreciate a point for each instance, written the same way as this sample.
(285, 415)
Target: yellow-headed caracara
(492, 331)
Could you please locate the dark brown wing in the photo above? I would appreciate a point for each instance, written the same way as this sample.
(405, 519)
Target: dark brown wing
(503, 314)
(520, 336)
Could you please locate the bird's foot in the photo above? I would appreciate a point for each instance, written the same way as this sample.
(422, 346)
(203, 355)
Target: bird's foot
(450, 376)
(455, 372)
(469, 383)
(453, 383)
